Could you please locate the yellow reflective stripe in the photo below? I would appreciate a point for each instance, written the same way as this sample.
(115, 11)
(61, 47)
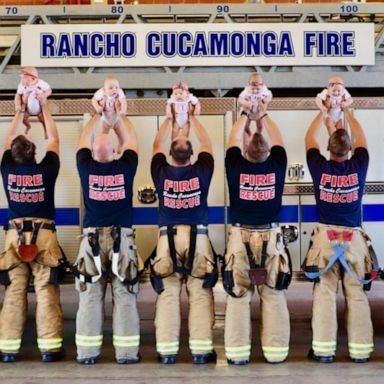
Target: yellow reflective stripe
(126, 341)
(136, 337)
(10, 341)
(276, 349)
(200, 348)
(324, 343)
(50, 343)
(50, 340)
(50, 346)
(204, 342)
(89, 341)
(168, 347)
(10, 345)
(324, 349)
(324, 346)
(10, 348)
(354, 352)
(168, 343)
(238, 352)
(360, 349)
(244, 347)
(273, 355)
(167, 350)
(203, 345)
(356, 345)
(235, 354)
(171, 346)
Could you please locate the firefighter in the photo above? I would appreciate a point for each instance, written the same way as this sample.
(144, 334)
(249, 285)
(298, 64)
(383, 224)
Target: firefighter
(31, 246)
(256, 254)
(339, 249)
(107, 251)
(184, 252)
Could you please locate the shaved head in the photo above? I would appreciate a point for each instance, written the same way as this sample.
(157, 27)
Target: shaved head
(181, 150)
(102, 147)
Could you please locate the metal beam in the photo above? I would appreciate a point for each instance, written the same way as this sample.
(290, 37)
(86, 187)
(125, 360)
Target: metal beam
(14, 46)
(45, 19)
(199, 80)
(326, 9)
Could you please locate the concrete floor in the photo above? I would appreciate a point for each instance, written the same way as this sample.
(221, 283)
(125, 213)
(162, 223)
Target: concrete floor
(297, 369)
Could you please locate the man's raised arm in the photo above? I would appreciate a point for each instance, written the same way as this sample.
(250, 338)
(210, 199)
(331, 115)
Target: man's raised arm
(14, 130)
(358, 136)
(237, 132)
(270, 126)
(313, 130)
(161, 137)
(202, 136)
(53, 134)
(127, 135)
(86, 136)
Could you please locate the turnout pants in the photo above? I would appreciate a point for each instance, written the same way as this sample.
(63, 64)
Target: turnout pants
(201, 305)
(90, 315)
(324, 315)
(48, 310)
(274, 327)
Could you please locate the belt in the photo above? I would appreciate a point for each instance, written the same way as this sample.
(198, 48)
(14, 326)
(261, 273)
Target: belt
(87, 230)
(322, 225)
(200, 230)
(28, 226)
(258, 226)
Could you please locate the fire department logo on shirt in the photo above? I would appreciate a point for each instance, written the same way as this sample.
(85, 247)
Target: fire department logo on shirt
(182, 194)
(339, 189)
(106, 187)
(257, 187)
(26, 188)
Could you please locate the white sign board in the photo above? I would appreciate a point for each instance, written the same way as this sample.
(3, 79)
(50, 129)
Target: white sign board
(242, 44)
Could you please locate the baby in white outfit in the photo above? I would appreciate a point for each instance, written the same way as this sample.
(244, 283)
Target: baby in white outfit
(110, 101)
(178, 107)
(332, 101)
(30, 91)
(254, 93)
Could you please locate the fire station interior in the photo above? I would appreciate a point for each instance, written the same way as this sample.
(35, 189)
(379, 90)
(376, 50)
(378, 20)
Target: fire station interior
(293, 108)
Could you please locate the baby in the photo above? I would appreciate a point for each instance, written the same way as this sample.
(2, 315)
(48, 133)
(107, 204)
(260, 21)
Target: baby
(254, 93)
(30, 91)
(110, 101)
(332, 101)
(178, 107)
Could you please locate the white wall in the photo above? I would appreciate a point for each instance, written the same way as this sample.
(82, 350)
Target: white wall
(293, 125)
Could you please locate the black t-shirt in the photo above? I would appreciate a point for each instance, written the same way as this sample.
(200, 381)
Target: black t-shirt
(107, 189)
(30, 189)
(182, 191)
(339, 187)
(255, 189)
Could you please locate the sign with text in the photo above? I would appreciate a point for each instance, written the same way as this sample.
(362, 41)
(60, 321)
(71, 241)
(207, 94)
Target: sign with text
(242, 44)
